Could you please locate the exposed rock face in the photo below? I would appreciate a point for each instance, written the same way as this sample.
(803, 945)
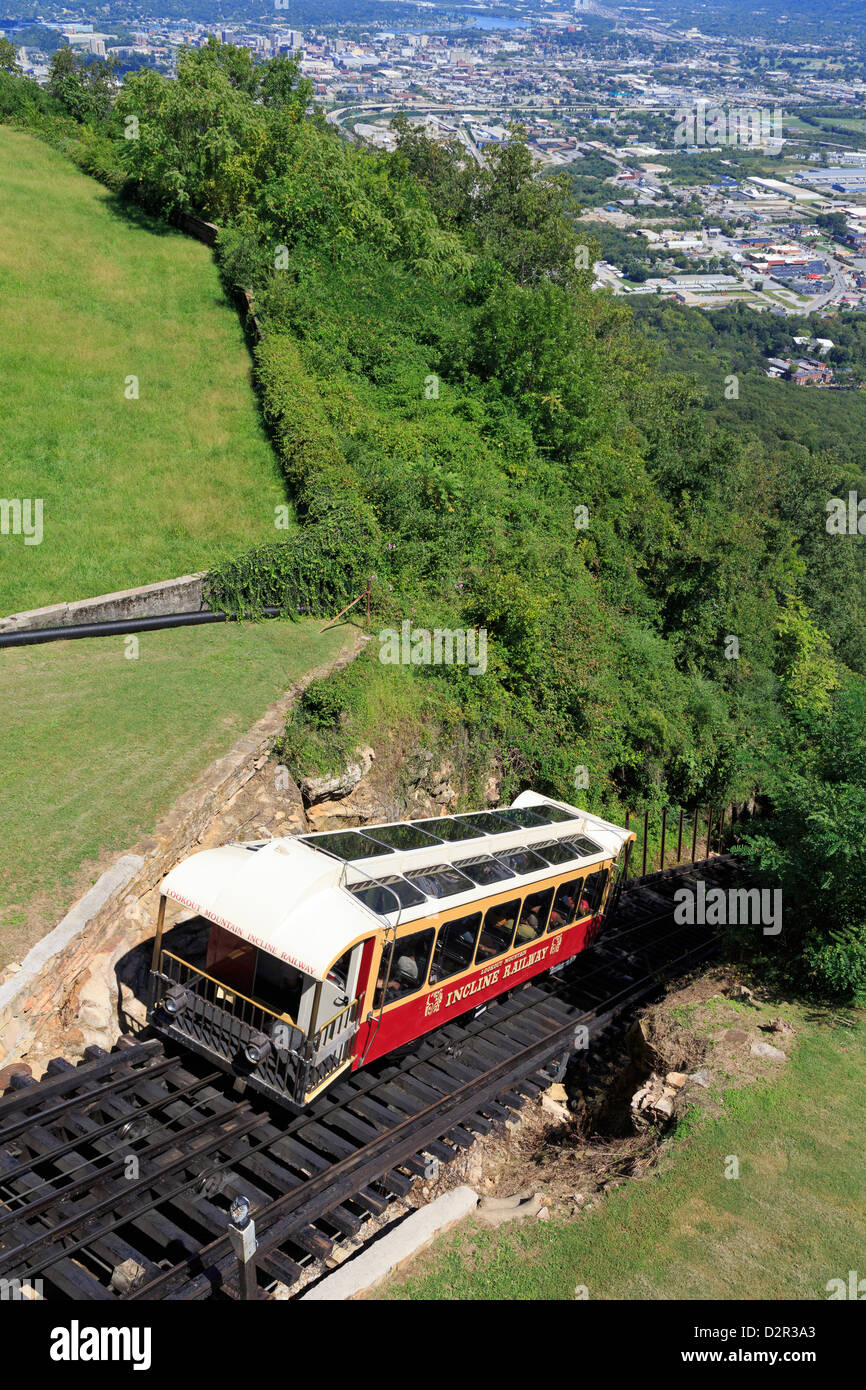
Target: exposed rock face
(97, 1005)
(316, 789)
(493, 788)
(430, 788)
(418, 786)
(363, 806)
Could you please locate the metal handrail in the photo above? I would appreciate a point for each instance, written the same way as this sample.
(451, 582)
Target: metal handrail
(345, 1009)
(364, 877)
(221, 984)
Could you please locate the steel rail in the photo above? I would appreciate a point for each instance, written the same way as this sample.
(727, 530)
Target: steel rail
(109, 1127)
(276, 1221)
(115, 1200)
(310, 1199)
(68, 1080)
(76, 1102)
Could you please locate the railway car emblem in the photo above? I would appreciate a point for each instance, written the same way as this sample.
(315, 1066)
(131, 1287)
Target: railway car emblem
(433, 1004)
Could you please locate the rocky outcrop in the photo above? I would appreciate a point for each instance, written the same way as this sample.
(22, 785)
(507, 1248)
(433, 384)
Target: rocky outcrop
(363, 806)
(317, 789)
(380, 788)
(430, 784)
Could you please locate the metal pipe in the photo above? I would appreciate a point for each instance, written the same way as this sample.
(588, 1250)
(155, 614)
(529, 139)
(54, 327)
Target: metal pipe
(664, 828)
(30, 636)
(680, 838)
(694, 835)
(645, 833)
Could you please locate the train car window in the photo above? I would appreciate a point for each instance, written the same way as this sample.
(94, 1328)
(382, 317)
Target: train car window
(498, 929)
(586, 846)
(339, 971)
(346, 844)
(448, 829)
(409, 971)
(533, 917)
(278, 985)
(490, 822)
(484, 870)
(522, 861)
(455, 947)
(580, 847)
(389, 895)
(565, 904)
(520, 815)
(554, 813)
(401, 836)
(384, 971)
(593, 891)
(439, 881)
(557, 851)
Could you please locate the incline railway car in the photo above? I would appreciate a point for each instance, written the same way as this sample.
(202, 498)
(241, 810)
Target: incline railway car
(320, 953)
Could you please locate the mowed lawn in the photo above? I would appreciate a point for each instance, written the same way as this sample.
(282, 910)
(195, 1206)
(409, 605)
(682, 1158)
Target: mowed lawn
(793, 1220)
(133, 490)
(95, 746)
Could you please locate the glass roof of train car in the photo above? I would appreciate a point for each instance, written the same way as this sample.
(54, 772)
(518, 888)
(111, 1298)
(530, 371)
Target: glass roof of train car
(488, 865)
(378, 840)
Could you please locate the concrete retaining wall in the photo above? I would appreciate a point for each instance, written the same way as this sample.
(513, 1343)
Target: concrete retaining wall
(395, 1248)
(197, 227)
(183, 595)
(51, 970)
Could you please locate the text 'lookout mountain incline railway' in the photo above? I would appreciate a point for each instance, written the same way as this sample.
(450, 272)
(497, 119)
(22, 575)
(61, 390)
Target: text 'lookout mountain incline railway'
(76, 1217)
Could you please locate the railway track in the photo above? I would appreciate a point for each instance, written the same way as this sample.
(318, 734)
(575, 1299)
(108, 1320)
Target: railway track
(116, 1175)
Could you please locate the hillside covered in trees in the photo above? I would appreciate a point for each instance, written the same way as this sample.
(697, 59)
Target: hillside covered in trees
(456, 412)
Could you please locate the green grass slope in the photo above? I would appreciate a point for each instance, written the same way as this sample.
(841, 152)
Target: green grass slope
(134, 490)
(792, 1221)
(96, 747)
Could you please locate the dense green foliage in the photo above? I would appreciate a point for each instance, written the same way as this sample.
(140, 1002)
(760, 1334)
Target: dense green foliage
(457, 412)
(84, 87)
(815, 847)
(812, 441)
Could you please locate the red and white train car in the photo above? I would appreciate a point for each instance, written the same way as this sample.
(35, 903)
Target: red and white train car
(318, 954)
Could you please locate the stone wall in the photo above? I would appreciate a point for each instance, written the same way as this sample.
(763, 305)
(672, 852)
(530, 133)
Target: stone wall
(169, 596)
(197, 227)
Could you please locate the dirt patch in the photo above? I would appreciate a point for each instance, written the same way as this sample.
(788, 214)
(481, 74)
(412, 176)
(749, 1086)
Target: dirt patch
(611, 1118)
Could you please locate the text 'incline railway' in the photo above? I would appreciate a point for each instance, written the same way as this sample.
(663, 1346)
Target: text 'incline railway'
(319, 954)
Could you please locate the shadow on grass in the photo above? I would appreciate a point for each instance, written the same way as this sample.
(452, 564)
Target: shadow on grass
(123, 208)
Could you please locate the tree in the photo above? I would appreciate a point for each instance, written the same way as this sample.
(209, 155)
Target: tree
(522, 221)
(281, 84)
(9, 58)
(83, 85)
(833, 222)
(814, 848)
(199, 137)
(807, 671)
(236, 64)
